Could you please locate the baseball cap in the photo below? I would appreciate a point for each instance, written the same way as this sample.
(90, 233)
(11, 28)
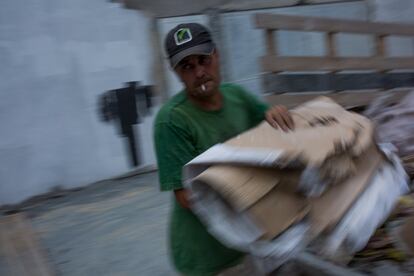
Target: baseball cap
(188, 39)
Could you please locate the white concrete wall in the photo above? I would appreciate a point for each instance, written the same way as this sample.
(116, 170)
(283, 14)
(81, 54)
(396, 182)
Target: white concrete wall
(56, 58)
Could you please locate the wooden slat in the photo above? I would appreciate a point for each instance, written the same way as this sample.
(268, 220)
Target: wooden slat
(270, 43)
(320, 24)
(277, 64)
(20, 248)
(348, 100)
(331, 44)
(380, 45)
(9, 257)
(301, 82)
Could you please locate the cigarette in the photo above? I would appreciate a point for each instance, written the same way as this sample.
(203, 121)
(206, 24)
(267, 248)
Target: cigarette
(203, 87)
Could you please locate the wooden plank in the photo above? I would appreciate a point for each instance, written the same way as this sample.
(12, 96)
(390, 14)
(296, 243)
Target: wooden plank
(21, 249)
(380, 45)
(158, 73)
(9, 257)
(234, 6)
(347, 99)
(270, 43)
(323, 1)
(394, 80)
(37, 259)
(320, 24)
(330, 39)
(282, 83)
(301, 82)
(331, 44)
(277, 64)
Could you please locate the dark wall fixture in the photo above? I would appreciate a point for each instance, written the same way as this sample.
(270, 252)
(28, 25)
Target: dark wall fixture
(126, 107)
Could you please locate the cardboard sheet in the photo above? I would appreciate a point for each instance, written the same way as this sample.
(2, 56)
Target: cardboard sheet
(240, 186)
(328, 209)
(278, 210)
(323, 129)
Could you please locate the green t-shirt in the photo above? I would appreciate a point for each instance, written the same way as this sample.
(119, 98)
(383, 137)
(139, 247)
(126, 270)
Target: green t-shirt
(182, 131)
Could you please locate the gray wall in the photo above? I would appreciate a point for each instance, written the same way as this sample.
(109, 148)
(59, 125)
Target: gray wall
(56, 58)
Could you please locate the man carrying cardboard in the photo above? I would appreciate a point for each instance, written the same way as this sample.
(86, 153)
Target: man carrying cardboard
(204, 113)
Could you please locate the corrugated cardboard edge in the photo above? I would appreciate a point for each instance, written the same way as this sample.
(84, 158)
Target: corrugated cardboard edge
(240, 186)
(277, 211)
(327, 210)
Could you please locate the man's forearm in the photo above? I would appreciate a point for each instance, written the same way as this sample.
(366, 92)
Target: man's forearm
(182, 196)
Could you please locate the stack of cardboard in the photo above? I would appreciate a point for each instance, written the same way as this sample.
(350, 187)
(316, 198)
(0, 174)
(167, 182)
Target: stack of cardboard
(337, 143)
(265, 175)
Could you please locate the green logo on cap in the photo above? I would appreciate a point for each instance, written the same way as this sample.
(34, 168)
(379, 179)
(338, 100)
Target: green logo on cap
(182, 36)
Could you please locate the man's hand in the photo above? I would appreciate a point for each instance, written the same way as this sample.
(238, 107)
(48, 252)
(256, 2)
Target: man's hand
(279, 116)
(182, 197)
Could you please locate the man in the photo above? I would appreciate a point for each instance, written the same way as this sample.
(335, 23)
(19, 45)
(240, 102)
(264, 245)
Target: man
(205, 113)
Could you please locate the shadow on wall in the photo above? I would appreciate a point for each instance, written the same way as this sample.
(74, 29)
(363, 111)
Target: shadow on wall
(126, 107)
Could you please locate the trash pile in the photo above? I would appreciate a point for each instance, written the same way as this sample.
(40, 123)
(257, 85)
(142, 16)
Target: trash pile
(394, 124)
(326, 186)
(393, 242)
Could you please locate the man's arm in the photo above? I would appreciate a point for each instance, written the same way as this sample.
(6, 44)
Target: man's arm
(173, 149)
(182, 197)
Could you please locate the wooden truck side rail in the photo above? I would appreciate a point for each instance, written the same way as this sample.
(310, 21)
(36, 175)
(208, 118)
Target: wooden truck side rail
(357, 89)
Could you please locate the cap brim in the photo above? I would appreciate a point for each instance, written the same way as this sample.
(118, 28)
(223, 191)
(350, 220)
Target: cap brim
(202, 49)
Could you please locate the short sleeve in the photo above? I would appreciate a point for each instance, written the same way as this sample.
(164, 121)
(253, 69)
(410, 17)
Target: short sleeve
(256, 107)
(174, 148)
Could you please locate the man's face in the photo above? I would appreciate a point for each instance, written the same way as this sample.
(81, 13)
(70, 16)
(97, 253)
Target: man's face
(200, 74)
